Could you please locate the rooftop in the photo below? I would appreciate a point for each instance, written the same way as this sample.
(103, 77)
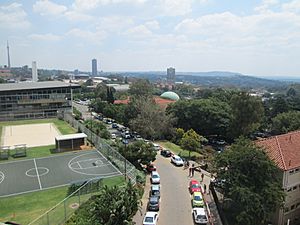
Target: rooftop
(283, 149)
(70, 136)
(35, 85)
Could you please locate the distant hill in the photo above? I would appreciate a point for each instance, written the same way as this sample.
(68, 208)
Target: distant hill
(214, 79)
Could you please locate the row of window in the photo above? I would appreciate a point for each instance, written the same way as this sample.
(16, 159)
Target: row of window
(293, 188)
(292, 207)
(294, 171)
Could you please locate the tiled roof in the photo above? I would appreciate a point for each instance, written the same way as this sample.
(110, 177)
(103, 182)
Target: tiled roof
(283, 149)
(159, 101)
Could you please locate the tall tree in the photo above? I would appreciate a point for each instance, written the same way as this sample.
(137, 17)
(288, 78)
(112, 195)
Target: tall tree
(141, 88)
(110, 95)
(190, 141)
(247, 112)
(286, 122)
(251, 180)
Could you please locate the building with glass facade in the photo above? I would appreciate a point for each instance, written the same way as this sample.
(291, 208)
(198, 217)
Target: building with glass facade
(30, 100)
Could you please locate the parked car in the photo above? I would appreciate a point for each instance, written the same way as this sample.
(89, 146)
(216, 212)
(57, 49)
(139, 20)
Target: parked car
(194, 186)
(150, 168)
(176, 160)
(200, 216)
(114, 125)
(155, 178)
(165, 153)
(157, 147)
(154, 190)
(197, 199)
(113, 136)
(138, 138)
(126, 134)
(150, 218)
(153, 204)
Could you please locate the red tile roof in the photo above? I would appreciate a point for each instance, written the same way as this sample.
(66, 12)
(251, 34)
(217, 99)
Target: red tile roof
(283, 149)
(159, 101)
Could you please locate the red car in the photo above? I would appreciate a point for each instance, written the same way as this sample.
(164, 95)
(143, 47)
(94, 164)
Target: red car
(151, 168)
(194, 186)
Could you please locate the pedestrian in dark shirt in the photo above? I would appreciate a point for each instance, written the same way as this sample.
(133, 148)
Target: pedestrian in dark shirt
(193, 169)
(202, 177)
(204, 187)
(190, 171)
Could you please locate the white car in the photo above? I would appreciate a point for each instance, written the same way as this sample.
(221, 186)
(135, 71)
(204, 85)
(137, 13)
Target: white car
(113, 136)
(200, 216)
(176, 160)
(156, 147)
(150, 218)
(155, 178)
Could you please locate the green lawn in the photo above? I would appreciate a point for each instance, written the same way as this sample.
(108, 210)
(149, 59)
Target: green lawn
(25, 208)
(177, 149)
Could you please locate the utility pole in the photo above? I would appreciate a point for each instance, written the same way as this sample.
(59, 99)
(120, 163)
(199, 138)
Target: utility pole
(8, 57)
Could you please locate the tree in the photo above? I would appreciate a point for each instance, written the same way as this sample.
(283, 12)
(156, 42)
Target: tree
(286, 122)
(141, 88)
(179, 132)
(138, 153)
(150, 121)
(110, 95)
(247, 112)
(252, 182)
(101, 91)
(190, 141)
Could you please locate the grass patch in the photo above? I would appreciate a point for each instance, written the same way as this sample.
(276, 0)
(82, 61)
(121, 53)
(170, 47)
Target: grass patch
(178, 150)
(25, 208)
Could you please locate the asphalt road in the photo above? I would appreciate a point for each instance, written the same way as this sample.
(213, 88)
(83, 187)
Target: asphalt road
(175, 205)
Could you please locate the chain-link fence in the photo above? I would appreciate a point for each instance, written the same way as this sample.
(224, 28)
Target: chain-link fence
(108, 151)
(62, 211)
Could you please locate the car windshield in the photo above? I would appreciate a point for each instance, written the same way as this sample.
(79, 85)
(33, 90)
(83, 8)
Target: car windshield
(178, 159)
(197, 198)
(201, 217)
(155, 176)
(153, 201)
(149, 219)
(195, 185)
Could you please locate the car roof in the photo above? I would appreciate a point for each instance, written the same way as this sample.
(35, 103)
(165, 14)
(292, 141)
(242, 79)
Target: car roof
(155, 173)
(154, 197)
(199, 211)
(176, 156)
(194, 181)
(155, 187)
(197, 193)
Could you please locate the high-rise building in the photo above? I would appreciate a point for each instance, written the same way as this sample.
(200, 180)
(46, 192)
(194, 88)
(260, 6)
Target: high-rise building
(34, 72)
(171, 75)
(94, 67)
(8, 57)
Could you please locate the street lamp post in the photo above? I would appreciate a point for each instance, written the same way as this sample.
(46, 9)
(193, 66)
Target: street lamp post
(125, 142)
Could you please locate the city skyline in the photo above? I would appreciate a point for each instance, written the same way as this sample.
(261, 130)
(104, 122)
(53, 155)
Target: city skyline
(249, 37)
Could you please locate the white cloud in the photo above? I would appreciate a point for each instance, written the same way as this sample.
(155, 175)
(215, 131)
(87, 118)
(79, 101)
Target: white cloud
(266, 5)
(77, 16)
(114, 23)
(46, 7)
(293, 6)
(96, 37)
(45, 37)
(140, 31)
(13, 16)
(153, 25)
(176, 7)
(86, 5)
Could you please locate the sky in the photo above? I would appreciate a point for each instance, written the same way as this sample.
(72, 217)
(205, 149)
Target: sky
(254, 37)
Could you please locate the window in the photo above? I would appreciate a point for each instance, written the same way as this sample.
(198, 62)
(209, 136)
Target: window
(291, 171)
(297, 170)
(294, 188)
(289, 189)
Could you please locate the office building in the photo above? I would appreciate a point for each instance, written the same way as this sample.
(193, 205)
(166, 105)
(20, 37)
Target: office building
(94, 68)
(29, 100)
(171, 75)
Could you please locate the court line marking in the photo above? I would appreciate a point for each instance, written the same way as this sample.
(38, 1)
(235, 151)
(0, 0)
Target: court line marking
(2, 176)
(78, 165)
(51, 187)
(70, 163)
(45, 157)
(37, 174)
(109, 162)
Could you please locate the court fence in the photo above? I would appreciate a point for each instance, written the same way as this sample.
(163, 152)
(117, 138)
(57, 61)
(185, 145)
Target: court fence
(123, 165)
(62, 211)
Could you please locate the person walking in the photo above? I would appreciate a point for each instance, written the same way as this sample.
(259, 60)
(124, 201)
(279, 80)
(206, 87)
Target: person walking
(204, 187)
(190, 171)
(202, 177)
(193, 169)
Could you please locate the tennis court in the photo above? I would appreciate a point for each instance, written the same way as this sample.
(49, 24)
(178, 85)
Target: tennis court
(29, 175)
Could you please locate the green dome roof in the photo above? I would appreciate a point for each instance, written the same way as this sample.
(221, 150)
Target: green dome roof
(170, 95)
